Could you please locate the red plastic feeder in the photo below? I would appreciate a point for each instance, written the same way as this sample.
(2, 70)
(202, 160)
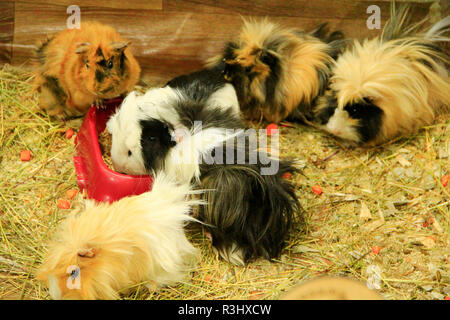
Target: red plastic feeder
(93, 175)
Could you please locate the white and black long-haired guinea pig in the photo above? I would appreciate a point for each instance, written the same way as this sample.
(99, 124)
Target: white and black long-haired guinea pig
(278, 71)
(248, 214)
(388, 86)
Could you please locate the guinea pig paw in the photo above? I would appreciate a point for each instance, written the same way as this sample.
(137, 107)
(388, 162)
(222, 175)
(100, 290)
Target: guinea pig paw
(99, 103)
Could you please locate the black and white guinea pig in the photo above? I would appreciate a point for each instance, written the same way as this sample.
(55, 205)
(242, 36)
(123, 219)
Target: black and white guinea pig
(249, 214)
(278, 71)
(157, 115)
(388, 86)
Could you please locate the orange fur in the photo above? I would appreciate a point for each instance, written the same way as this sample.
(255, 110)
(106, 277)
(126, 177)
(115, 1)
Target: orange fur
(301, 57)
(66, 80)
(136, 239)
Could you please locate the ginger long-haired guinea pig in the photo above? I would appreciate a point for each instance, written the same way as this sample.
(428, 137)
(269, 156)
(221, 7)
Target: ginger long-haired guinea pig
(79, 67)
(108, 247)
(388, 86)
(276, 71)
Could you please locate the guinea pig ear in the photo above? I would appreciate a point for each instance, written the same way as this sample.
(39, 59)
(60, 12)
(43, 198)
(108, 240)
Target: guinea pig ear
(87, 253)
(119, 46)
(82, 47)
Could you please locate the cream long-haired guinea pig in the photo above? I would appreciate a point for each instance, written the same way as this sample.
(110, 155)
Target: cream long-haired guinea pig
(277, 71)
(79, 67)
(388, 86)
(109, 247)
(249, 208)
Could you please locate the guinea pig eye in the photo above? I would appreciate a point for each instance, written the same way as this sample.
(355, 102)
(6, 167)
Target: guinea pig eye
(110, 64)
(248, 69)
(129, 153)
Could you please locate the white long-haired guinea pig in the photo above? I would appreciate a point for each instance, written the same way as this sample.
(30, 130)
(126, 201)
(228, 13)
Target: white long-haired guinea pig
(248, 214)
(109, 247)
(388, 86)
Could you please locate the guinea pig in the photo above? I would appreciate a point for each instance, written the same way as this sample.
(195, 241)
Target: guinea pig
(207, 87)
(97, 253)
(276, 71)
(248, 213)
(79, 67)
(388, 86)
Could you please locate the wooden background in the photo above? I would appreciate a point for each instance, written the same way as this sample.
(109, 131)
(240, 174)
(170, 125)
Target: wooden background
(171, 37)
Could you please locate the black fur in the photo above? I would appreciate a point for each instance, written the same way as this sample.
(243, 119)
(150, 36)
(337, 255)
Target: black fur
(156, 142)
(40, 52)
(122, 63)
(52, 84)
(253, 211)
(241, 78)
(99, 76)
(274, 77)
(228, 52)
(201, 84)
(324, 115)
(99, 52)
(190, 111)
(256, 212)
(369, 116)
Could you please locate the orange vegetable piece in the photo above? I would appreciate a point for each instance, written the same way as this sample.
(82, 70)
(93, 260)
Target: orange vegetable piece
(63, 204)
(317, 189)
(25, 155)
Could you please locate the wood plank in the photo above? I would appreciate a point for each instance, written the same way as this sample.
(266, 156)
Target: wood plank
(166, 43)
(343, 9)
(112, 4)
(6, 30)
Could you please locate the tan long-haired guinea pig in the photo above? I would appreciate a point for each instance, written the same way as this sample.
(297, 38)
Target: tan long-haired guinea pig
(388, 86)
(276, 71)
(109, 247)
(79, 67)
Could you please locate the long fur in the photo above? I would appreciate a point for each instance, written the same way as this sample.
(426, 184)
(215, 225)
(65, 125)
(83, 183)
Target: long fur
(398, 80)
(77, 67)
(115, 246)
(277, 71)
(252, 214)
(264, 207)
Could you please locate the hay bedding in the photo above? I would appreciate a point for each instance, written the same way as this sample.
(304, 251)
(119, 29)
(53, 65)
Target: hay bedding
(381, 207)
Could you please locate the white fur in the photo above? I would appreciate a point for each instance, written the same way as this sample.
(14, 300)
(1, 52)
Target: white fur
(339, 125)
(225, 97)
(167, 212)
(53, 286)
(183, 160)
(233, 255)
(126, 131)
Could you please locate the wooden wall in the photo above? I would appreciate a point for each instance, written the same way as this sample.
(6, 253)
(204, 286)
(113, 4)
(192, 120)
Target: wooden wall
(171, 37)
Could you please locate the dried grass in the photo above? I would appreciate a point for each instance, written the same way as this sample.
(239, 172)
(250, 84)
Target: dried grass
(399, 183)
